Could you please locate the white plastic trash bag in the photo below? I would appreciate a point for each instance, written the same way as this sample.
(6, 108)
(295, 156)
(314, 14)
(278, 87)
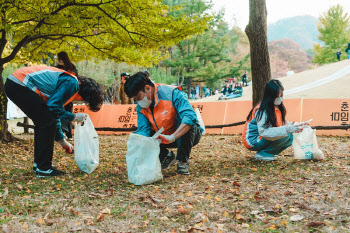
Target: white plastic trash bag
(86, 146)
(200, 120)
(305, 145)
(142, 159)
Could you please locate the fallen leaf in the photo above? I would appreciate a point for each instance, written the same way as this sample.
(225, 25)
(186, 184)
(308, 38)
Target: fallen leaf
(88, 222)
(183, 211)
(164, 218)
(294, 210)
(239, 217)
(245, 225)
(145, 223)
(217, 199)
(225, 214)
(189, 194)
(198, 224)
(296, 218)
(6, 229)
(49, 222)
(273, 227)
(40, 221)
(315, 224)
(5, 193)
(106, 211)
(235, 183)
(284, 223)
(100, 217)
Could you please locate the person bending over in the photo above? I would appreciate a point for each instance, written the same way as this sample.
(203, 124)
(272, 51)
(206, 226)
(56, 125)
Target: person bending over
(266, 129)
(162, 106)
(41, 92)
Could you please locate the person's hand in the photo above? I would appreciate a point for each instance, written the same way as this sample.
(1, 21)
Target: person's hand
(297, 128)
(166, 139)
(67, 146)
(80, 117)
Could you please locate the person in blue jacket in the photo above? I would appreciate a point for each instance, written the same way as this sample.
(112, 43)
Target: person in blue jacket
(162, 106)
(41, 92)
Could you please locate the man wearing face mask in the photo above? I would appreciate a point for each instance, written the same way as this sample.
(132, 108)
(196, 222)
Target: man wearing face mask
(161, 106)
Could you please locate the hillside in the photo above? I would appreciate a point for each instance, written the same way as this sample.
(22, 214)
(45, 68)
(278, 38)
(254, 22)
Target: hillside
(329, 81)
(301, 29)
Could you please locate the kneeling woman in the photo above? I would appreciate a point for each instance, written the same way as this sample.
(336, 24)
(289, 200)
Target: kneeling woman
(266, 129)
(40, 92)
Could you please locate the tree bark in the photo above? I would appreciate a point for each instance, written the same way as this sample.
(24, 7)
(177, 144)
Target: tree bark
(5, 135)
(256, 31)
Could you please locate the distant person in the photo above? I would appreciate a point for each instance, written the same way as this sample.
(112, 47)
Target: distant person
(226, 91)
(206, 91)
(193, 93)
(266, 130)
(338, 54)
(245, 78)
(237, 92)
(197, 91)
(124, 99)
(64, 63)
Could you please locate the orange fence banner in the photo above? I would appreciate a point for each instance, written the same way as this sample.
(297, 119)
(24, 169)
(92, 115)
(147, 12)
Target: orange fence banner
(327, 112)
(324, 112)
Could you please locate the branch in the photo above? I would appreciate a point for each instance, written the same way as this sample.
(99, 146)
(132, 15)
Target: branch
(3, 41)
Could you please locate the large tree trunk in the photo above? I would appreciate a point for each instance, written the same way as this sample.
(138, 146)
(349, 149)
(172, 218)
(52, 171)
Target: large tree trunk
(257, 34)
(5, 135)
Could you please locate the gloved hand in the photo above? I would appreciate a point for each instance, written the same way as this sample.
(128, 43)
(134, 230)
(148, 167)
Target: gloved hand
(67, 146)
(80, 117)
(166, 139)
(297, 128)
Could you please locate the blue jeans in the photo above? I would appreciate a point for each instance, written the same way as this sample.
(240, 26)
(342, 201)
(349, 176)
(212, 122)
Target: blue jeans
(270, 148)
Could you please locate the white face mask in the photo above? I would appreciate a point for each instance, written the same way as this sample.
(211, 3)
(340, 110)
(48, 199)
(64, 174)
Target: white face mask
(278, 101)
(145, 102)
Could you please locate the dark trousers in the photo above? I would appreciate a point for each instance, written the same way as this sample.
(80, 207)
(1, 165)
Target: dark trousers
(45, 122)
(184, 145)
(66, 125)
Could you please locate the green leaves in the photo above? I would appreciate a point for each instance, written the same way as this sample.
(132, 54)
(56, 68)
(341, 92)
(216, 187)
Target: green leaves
(334, 28)
(129, 31)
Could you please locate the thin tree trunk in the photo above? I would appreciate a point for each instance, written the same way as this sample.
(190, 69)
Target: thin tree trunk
(256, 31)
(5, 135)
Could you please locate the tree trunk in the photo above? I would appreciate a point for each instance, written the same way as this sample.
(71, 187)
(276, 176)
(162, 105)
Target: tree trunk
(256, 31)
(5, 135)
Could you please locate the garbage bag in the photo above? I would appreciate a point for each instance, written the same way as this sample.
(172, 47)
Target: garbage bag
(305, 145)
(86, 146)
(142, 159)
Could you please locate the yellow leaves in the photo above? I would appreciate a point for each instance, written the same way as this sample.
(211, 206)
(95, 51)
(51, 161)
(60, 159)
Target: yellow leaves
(145, 223)
(225, 214)
(189, 194)
(254, 169)
(100, 217)
(239, 217)
(284, 223)
(39, 221)
(217, 199)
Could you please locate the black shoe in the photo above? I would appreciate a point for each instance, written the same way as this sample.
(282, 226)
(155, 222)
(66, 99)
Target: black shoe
(49, 173)
(169, 160)
(183, 168)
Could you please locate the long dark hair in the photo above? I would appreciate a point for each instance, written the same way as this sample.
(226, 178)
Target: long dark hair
(91, 92)
(271, 92)
(68, 65)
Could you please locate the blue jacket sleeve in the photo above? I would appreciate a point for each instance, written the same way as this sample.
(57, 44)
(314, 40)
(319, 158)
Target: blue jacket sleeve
(66, 87)
(184, 108)
(143, 124)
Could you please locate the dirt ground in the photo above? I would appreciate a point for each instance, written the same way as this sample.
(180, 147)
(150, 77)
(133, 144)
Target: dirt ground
(338, 89)
(226, 191)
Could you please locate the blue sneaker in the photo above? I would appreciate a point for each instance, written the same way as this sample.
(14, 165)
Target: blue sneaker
(265, 158)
